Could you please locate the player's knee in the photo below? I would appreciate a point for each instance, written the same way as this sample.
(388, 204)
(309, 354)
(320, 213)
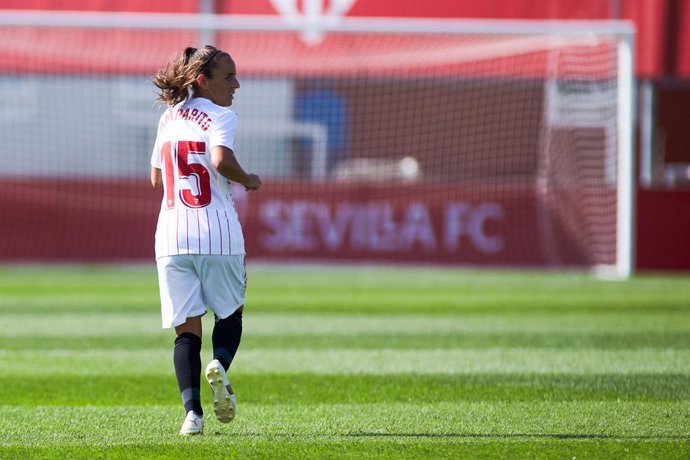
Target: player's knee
(235, 316)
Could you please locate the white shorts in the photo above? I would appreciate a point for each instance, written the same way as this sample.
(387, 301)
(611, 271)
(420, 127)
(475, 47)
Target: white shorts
(191, 282)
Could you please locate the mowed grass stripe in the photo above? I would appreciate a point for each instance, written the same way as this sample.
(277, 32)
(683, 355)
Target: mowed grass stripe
(433, 304)
(59, 323)
(352, 361)
(25, 426)
(422, 341)
(375, 290)
(424, 303)
(145, 390)
(280, 331)
(372, 446)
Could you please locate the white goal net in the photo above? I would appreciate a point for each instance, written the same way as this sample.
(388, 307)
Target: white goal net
(432, 141)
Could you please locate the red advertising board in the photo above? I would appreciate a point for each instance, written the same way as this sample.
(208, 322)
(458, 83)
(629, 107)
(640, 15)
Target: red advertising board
(657, 42)
(574, 9)
(525, 9)
(294, 221)
(56, 220)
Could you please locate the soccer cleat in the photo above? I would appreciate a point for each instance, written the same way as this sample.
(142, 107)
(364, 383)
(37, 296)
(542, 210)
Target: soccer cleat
(224, 403)
(193, 424)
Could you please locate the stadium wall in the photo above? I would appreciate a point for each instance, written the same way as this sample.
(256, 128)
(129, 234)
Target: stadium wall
(663, 226)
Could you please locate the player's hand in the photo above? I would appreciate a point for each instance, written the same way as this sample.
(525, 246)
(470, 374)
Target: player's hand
(253, 184)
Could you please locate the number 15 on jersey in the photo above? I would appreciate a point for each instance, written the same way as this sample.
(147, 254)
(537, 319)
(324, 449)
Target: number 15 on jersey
(193, 177)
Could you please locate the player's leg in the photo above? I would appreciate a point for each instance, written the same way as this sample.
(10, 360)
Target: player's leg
(226, 337)
(187, 360)
(182, 306)
(223, 287)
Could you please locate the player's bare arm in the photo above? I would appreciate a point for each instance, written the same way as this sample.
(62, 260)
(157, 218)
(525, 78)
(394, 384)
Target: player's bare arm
(223, 159)
(156, 178)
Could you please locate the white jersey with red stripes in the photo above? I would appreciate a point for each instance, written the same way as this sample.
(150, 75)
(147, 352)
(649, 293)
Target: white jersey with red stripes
(197, 215)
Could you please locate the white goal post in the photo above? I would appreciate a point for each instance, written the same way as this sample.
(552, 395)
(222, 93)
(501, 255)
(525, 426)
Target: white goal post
(581, 74)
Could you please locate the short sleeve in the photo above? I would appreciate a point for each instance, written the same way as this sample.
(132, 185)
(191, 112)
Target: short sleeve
(156, 156)
(223, 131)
(156, 152)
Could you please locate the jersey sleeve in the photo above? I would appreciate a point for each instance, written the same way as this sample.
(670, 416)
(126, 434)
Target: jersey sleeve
(223, 132)
(156, 152)
(156, 156)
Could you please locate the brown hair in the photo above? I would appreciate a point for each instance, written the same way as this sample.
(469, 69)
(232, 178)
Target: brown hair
(182, 70)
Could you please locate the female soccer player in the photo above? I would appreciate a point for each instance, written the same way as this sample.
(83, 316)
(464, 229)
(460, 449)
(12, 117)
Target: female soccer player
(199, 241)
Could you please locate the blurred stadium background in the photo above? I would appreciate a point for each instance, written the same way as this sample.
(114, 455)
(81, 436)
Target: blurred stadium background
(418, 148)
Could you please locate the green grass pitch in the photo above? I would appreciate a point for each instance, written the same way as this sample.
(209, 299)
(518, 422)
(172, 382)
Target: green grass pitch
(354, 363)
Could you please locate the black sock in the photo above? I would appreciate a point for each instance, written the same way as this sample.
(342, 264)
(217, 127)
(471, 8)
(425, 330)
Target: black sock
(226, 338)
(187, 357)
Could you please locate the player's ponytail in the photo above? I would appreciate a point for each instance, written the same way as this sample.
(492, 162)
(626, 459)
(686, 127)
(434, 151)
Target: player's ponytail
(181, 72)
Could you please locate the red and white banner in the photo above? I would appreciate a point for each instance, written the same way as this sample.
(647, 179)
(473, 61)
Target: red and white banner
(303, 223)
(288, 221)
